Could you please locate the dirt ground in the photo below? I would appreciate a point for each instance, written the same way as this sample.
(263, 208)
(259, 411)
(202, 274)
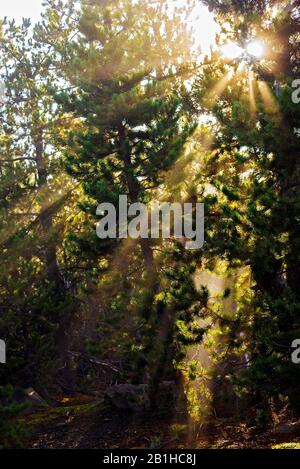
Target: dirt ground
(91, 425)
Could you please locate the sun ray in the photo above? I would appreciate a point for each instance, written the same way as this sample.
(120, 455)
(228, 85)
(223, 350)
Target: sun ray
(269, 100)
(253, 107)
(218, 89)
(31, 206)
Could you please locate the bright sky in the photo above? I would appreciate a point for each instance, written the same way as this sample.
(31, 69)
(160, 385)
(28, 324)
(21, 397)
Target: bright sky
(19, 9)
(204, 27)
(202, 20)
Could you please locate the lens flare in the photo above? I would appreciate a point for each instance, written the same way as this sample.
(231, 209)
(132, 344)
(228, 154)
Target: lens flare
(256, 49)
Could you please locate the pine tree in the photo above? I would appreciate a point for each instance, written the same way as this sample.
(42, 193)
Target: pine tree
(254, 169)
(125, 72)
(34, 191)
(128, 74)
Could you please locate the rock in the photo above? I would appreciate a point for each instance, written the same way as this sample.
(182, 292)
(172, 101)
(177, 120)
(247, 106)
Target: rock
(166, 395)
(129, 397)
(136, 397)
(287, 429)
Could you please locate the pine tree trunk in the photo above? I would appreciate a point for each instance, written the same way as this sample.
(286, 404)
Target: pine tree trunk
(134, 190)
(62, 339)
(162, 330)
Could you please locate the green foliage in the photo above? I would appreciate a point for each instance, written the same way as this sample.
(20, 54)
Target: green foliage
(254, 170)
(12, 432)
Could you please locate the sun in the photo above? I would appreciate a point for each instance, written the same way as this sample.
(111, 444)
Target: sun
(254, 49)
(246, 56)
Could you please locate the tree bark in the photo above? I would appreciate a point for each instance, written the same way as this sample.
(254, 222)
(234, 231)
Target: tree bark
(62, 339)
(134, 191)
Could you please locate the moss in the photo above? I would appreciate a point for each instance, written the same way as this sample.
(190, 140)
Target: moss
(57, 414)
(287, 446)
(178, 431)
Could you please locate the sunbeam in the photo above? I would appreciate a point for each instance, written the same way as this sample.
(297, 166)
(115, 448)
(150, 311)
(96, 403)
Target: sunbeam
(269, 100)
(252, 100)
(218, 89)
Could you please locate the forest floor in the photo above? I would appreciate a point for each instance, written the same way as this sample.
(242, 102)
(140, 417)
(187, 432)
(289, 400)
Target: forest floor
(91, 425)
